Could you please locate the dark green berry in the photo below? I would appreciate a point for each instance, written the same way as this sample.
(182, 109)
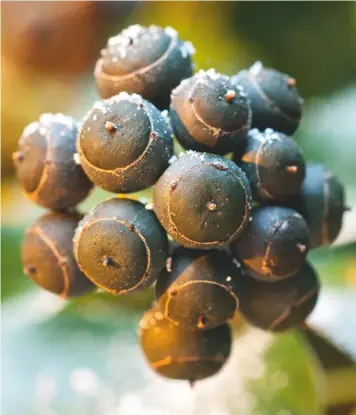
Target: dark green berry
(322, 204)
(274, 165)
(180, 353)
(198, 289)
(274, 244)
(124, 143)
(47, 255)
(149, 61)
(202, 200)
(46, 164)
(121, 246)
(280, 305)
(209, 113)
(274, 99)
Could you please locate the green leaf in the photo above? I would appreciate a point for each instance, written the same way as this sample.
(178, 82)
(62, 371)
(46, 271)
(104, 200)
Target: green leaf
(81, 356)
(335, 265)
(292, 381)
(13, 281)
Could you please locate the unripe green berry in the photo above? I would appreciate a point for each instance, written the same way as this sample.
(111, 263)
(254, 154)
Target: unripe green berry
(198, 289)
(280, 305)
(47, 255)
(180, 353)
(121, 246)
(322, 204)
(274, 244)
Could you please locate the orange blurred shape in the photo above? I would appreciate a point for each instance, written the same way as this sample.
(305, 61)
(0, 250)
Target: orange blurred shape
(51, 36)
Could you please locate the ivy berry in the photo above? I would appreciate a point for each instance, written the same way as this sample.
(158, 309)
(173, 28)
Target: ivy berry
(149, 61)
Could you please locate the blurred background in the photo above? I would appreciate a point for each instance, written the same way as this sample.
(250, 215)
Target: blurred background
(81, 357)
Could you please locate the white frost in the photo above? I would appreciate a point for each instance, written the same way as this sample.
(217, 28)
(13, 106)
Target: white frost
(256, 68)
(30, 129)
(171, 32)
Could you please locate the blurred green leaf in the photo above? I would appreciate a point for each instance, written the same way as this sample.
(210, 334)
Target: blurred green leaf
(13, 281)
(292, 381)
(335, 265)
(83, 357)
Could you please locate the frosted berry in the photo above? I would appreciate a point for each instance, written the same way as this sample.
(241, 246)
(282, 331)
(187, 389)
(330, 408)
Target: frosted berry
(149, 61)
(46, 165)
(274, 165)
(273, 96)
(209, 113)
(202, 200)
(124, 143)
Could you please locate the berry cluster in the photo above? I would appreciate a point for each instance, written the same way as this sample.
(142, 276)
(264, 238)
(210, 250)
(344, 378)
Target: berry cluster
(240, 228)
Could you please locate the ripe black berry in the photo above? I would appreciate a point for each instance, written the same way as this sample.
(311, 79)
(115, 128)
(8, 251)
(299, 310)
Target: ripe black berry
(274, 99)
(322, 203)
(124, 143)
(274, 165)
(45, 163)
(47, 255)
(280, 305)
(121, 246)
(202, 200)
(209, 113)
(149, 61)
(274, 244)
(180, 353)
(198, 290)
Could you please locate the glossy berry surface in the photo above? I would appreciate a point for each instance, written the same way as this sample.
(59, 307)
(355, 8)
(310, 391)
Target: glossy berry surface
(322, 204)
(274, 165)
(202, 200)
(273, 96)
(46, 166)
(274, 244)
(180, 353)
(280, 305)
(124, 143)
(210, 113)
(198, 289)
(47, 255)
(121, 246)
(149, 61)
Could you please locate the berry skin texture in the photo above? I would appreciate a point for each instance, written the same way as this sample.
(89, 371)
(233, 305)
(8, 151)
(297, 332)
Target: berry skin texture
(199, 289)
(322, 203)
(124, 143)
(274, 99)
(209, 113)
(120, 246)
(274, 244)
(274, 165)
(47, 255)
(180, 353)
(149, 61)
(202, 200)
(45, 163)
(281, 305)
